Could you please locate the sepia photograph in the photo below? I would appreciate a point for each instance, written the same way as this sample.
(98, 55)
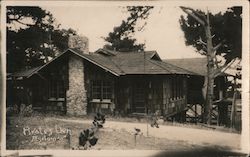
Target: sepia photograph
(163, 77)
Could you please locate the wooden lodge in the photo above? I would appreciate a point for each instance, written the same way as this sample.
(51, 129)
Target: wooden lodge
(77, 83)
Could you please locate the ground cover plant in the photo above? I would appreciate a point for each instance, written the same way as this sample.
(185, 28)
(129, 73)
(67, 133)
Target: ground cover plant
(49, 132)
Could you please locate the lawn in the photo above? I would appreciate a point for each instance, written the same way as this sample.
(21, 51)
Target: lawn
(40, 132)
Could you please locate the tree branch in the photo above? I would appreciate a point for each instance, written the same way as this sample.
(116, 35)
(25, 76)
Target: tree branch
(23, 23)
(203, 16)
(202, 42)
(216, 62)
(218, 45)
(202, 52)
(185, 9)
(223, 68)
(20, 22)
(131, 21)
(14, 19)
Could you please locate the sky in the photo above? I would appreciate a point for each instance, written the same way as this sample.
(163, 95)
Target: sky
(162, 32)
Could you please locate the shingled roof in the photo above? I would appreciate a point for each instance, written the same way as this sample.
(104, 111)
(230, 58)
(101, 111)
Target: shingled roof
(195, 65)
(24, 73)
(147, 62)
(140, 63)
(121, 63)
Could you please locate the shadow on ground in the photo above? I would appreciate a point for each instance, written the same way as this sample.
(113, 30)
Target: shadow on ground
(202, 152)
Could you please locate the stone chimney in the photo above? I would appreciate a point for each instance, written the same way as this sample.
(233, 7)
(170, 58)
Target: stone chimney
(76, 103)
(79, 42)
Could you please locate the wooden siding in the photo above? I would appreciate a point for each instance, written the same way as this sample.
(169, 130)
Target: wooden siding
(54, 79)
(157, 93)
(174, 95)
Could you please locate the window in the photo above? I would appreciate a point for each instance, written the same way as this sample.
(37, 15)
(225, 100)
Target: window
(96, 89)
(56, 89)
(106, 90)
(176, 87)
(101, 90)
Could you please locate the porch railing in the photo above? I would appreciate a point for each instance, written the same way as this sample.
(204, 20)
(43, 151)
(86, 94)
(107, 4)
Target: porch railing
(176, 105)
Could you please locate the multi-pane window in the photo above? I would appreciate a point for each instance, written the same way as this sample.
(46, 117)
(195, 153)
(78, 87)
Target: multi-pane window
(96, 89)
(61, 90)
(56, 89)
(176, 84)
(101, 89)
(106, 90)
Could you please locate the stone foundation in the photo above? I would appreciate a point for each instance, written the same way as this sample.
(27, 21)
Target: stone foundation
(76, 94)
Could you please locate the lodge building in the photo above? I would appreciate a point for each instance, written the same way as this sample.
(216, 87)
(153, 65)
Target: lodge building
(77, 82)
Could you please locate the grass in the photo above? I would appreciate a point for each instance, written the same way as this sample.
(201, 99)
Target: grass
(169, 123)
(109, 139)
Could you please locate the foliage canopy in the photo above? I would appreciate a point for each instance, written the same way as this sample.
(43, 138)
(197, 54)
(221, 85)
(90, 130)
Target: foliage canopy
(32, 37)
(121, 38)
(226, 28)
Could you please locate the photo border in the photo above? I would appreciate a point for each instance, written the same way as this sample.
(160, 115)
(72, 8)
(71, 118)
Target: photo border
(245, 144)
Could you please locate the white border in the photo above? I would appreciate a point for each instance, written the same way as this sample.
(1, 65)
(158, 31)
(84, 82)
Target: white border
(3, 62)
(245, 138)
(245, 62)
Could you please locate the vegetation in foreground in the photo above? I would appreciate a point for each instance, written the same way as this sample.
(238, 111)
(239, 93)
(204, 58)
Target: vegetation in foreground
(39, 132)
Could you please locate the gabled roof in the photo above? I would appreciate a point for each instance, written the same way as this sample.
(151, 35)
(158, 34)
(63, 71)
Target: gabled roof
(143, 63)
(148, 54)
(100, 60)
(24, 73)
(106, 52)
(196, 65)
(123, 63)
(120, 63)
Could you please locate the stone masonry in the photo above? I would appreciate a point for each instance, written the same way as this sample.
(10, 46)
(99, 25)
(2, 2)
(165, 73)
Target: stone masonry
(79, 42)
(76, 94)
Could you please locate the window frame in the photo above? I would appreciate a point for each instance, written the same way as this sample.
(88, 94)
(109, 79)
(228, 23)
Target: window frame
(105, 90)
(56, 89)
(177, 87)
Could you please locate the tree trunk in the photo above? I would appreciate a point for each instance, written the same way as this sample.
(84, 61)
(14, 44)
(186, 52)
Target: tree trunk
(232, 115)
(207, 116)
(210, 74)
(233, 108)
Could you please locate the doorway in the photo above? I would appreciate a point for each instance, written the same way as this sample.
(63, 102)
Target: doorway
(139, 97)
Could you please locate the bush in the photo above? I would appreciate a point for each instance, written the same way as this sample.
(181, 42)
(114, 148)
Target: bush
(12, 110)
(25, 111)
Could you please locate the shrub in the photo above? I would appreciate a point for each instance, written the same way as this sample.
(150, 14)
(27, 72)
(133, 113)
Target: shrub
(12, 110)
(87, 138)
(25, 111)
(99, 120)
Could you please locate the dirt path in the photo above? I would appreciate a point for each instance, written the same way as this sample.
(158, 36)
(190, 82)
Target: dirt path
(191, 135)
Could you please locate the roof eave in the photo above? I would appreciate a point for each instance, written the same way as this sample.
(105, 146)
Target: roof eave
(36, 71)
(105, 68)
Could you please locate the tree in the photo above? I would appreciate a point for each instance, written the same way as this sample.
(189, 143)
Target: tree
(213, 36)
(121, 38)
(32, 37)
